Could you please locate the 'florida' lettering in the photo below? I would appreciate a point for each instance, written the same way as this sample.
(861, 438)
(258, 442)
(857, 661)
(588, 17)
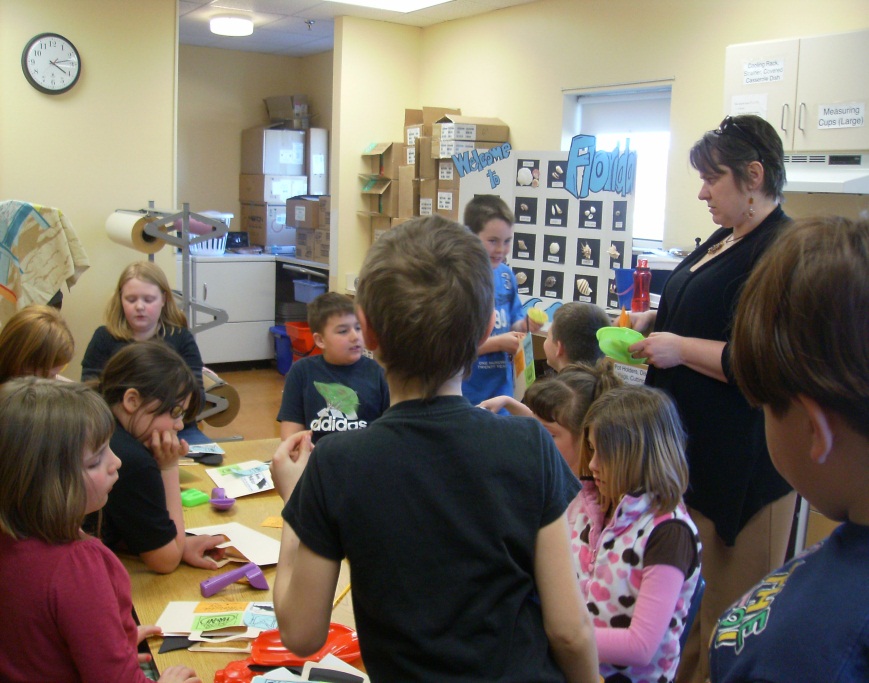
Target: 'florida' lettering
(592, 170)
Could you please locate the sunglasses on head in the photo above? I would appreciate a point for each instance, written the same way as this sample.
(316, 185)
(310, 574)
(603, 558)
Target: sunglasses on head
(729, 127)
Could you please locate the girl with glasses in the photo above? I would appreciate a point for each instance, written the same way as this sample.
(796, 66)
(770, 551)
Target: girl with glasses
(151, 392)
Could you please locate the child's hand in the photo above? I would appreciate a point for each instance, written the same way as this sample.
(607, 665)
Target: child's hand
(510, 342)
(146, 632)
(494, 405)
(513, 406)
(289, 462)
(199, 551)
(167, 448)
(179, 674)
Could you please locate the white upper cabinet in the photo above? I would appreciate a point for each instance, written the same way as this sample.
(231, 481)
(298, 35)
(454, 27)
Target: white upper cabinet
(814, 91)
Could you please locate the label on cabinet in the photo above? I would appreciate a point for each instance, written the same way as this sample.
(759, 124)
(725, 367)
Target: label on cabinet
(849, 115)
(748, 104)
(763, 71)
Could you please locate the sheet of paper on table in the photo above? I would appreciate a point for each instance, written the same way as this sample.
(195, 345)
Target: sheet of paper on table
(217, 621)
(252, 545)
(242, 479)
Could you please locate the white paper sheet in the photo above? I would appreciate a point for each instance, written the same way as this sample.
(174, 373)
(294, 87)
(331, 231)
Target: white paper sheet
(255, 546)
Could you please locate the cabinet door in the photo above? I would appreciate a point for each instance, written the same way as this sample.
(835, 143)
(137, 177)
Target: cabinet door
(832, 93)
(233, 342)
(244, 289)
(761, 78)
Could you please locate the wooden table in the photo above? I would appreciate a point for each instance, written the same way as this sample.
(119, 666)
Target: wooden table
(152, 592)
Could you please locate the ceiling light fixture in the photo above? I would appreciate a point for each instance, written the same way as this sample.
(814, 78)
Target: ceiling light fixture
(231, 25)
(403, 6)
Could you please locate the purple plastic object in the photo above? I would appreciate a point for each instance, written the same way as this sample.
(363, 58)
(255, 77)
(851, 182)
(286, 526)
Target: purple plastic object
(219, 501)
(250, 571)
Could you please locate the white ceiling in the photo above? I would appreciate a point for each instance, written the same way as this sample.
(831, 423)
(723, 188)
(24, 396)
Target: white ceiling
(280, 25)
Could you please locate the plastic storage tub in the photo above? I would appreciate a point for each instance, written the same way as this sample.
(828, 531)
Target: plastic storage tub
(283, 348)
(307, 290)
(302, 340)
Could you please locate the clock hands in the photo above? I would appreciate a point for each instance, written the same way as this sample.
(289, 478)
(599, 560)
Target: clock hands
(54, 62)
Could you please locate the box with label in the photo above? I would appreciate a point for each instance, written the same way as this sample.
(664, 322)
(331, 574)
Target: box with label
(428, 189)
(266, 224)
(419, 122)
(448, 204)
(455, 127)
(303, 212)
(384, 158)
(444, 149)
(325, 211)
(271, 189)
(426, 166)
(448, 175)
(272, 151)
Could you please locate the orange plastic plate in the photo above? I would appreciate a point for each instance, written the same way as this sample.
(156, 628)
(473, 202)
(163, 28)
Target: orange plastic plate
(341, 642)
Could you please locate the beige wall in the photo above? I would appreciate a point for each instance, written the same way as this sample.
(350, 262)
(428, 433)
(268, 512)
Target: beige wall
(220, 93)
(376, 77)
(106, 144)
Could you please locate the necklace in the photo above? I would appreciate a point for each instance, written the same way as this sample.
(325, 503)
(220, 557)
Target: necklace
(718, 246)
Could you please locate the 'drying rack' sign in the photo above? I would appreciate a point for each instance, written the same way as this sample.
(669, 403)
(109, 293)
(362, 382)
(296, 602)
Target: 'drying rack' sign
(573, 211)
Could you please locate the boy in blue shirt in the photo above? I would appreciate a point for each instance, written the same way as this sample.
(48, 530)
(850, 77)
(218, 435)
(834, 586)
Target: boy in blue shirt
(490, 219)
(800, 350)
(451, 518)
(339, 390)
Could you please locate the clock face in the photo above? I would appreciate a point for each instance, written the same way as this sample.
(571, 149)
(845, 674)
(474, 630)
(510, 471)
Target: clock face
(51, 63)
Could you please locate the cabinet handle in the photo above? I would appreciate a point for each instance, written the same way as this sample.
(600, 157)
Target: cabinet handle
(800, 121)
(785, 115)
(204, 291)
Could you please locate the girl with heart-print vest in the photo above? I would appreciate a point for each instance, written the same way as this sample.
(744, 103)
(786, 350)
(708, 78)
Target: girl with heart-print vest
(637, 550)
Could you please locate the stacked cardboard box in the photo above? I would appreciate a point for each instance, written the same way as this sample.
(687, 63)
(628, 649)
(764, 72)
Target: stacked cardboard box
(272, 170)
(455, 134)
(312, 239)
(432, 136)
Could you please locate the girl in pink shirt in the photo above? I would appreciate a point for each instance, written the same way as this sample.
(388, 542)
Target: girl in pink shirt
(637, 550)
(67, 604)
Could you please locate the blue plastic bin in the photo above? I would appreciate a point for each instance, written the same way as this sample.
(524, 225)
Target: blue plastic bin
(308, 290)
(283, 348)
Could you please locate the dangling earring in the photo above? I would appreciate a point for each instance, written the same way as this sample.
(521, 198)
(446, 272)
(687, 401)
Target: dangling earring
(751, 207)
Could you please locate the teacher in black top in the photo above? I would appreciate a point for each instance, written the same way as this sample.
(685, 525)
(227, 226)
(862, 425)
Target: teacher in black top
(741, 505)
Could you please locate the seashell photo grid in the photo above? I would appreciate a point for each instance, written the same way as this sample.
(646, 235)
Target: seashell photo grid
(564, 246)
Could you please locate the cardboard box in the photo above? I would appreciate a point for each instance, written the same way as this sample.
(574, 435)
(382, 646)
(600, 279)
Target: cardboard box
(321, 251)
(380, 196)
(270, 189)
(409, 155)
(428, 189)
(303, 212)
(384, 158)
(482, 129)
(407, 191)
(448, 204)
(379, 226)
(399, 221)
(426, 166)
(266, 224)
(419, 122)
(444, 149)
(325, 211)
(272, 151)
(448, 175)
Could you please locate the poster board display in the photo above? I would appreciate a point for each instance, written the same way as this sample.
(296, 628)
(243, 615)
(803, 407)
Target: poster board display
(574, 216)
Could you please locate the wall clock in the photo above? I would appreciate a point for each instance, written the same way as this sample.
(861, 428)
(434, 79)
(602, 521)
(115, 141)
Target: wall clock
(51, 63)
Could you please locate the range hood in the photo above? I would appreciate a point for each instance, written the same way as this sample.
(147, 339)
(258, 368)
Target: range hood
(838, 173)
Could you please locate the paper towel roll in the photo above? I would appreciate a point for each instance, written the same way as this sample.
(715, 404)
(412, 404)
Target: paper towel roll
(128, 228)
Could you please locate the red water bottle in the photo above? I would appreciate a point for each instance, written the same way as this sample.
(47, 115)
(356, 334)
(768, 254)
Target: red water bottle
(642, 280)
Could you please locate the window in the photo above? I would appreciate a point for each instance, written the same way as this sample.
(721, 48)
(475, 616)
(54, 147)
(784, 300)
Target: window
(643, 116)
